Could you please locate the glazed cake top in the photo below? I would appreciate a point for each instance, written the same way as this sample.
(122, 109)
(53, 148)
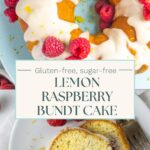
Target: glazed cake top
(43, 20)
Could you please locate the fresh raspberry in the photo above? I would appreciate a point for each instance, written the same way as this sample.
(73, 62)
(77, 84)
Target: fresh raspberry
(11, 14)
(147, 6)
(72, 58)
(3, 82)
(99, 5)
(56, 123)
(7, 86)
(107, 13)
(80, 48)
(103, 25)
(52, 47)
(146, 12)
(144, 1)
(11, 3)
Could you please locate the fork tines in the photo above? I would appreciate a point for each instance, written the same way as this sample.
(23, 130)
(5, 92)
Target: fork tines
(136, 136)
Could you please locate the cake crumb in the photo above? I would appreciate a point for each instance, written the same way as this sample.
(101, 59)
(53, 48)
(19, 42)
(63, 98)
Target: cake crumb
(42, 148)
(148, 78)
(34, 139)
(33, 121)
(28, 9)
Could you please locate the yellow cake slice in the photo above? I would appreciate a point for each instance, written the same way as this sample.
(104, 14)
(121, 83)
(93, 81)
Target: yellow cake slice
(79, 139)
(110, 130)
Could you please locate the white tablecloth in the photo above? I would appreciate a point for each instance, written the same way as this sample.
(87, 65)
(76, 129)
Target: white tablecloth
(7, 113)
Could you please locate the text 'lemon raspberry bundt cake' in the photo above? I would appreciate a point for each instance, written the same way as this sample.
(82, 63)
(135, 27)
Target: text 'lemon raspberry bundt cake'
(85, 29)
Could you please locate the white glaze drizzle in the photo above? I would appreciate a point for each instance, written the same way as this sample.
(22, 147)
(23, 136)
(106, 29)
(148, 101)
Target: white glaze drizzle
(44, 21)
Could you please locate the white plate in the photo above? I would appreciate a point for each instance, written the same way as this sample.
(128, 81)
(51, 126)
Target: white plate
(3, 72)
(142, 113)
(33, 135)
(7, 117)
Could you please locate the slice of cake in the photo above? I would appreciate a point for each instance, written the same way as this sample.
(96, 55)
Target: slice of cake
(79, 139)
(111, 130)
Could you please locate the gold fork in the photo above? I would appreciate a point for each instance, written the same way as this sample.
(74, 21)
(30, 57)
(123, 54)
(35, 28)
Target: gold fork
(135, 135)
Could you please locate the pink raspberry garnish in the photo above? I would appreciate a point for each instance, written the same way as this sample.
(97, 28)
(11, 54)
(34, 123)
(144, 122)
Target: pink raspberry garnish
(56, 123)
(3, 81)
(52, 47)
(99, 5)
(107, 13)
(72, 58)
(144, 1)
(103, 25)
(146, 12)
(80, 48)
(11, 14)
(11, 3)
(5, 84)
